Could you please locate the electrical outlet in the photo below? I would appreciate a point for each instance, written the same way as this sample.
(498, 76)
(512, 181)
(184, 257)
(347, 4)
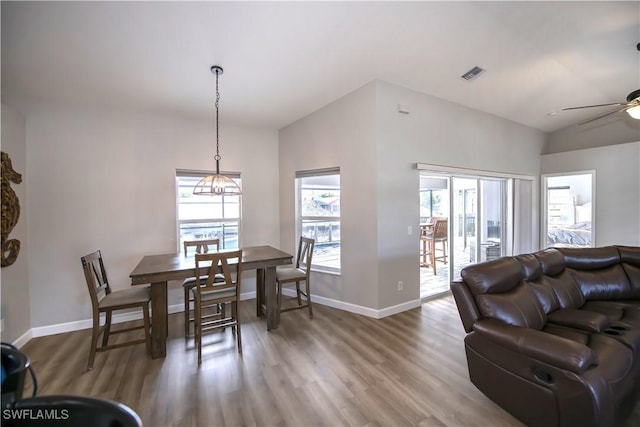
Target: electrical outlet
(409, 230)
(400, 285)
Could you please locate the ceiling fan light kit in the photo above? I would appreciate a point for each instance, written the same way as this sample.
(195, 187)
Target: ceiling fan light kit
(634, 112)
(634, 97)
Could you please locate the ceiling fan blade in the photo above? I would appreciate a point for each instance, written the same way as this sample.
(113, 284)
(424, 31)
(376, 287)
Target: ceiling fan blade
(591, 106)
(604, 115)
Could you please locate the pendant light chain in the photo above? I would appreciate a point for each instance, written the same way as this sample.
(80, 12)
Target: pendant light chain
(217, 184)
(217, 157)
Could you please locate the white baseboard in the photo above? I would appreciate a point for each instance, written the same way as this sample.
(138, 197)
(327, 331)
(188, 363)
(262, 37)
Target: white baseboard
(59, 328)
(88, 323)
(358, 309)
(23, 339)
(399, 308)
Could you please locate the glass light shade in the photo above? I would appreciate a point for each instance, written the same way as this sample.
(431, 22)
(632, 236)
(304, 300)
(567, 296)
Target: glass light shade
(217, 185)
(634, 112)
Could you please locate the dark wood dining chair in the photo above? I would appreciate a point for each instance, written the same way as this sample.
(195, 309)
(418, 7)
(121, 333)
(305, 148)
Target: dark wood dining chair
(201, 246)
(104, 300)
(300, 272)
(212, 293)
(438, 233)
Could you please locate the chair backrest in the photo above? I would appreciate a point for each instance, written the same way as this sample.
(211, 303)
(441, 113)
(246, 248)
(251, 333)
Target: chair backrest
(211, 264)
(202, 246)
(305, 253)
(440, 228)
(96, 277)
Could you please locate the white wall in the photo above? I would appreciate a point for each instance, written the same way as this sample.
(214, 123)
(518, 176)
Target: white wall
(618, 128)
(341, 134)
(376, 149)
(438, 132)
(15, 278)
(617, 195)
(105, 179)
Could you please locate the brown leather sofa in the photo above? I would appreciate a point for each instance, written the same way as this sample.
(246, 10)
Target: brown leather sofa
(554, 336)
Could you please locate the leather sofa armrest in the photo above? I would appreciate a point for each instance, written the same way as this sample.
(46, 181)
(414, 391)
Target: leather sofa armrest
(466, 305)
(579, 319)
(547, 348)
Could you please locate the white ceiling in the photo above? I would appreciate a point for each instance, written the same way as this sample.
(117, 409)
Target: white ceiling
(284, 60)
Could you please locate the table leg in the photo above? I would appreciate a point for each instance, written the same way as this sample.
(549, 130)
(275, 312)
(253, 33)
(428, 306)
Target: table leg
(259, 291)
(271, 298)
(159, 320)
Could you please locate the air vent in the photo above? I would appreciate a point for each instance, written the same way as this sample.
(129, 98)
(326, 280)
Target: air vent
(472, 73)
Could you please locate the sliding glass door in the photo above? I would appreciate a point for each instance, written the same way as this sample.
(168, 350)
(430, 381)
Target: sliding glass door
(478, 210)
(479, 218)
(464, 232)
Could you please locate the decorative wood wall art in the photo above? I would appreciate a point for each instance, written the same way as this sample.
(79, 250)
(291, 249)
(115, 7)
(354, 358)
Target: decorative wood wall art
(10, 211)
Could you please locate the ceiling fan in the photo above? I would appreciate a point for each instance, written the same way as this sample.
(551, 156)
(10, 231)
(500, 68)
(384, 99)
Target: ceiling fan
(632, 107)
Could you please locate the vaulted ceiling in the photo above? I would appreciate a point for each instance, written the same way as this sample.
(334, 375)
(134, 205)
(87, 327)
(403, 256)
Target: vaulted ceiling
(284, 60)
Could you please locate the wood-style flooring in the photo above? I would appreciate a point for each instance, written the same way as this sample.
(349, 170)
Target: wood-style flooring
(337, 369)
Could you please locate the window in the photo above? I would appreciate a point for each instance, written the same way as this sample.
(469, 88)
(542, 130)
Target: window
(318, 215)
(206, 217)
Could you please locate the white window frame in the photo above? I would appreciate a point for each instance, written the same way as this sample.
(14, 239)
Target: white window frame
(226, 239)
(319, 262)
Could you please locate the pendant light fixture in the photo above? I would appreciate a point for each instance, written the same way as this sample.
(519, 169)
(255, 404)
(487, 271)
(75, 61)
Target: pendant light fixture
(217, 185)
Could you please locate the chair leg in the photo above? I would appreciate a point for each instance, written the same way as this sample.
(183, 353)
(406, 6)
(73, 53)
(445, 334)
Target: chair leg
(197, 329)
(298, 293)
(187, 311)
(237, 319)
(432, 247)
(444, 251)
(107, 329)
(309, 298)
(234, 315)
(95, 333)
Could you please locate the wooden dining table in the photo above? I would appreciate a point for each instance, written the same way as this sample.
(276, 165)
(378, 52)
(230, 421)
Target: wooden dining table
(159, 269)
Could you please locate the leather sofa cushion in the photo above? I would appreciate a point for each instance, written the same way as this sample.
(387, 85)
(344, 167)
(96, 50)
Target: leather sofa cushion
(623, 312)
(558, 278)
(580, 319)
(630, 257)
(518, 307)
(608, 283)
(495, 276)
(531, 268)
(500, 293)
(598, 272)
(554, 350)
(566, 289)
(590, 258)
(546, 295)
(551, 261)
